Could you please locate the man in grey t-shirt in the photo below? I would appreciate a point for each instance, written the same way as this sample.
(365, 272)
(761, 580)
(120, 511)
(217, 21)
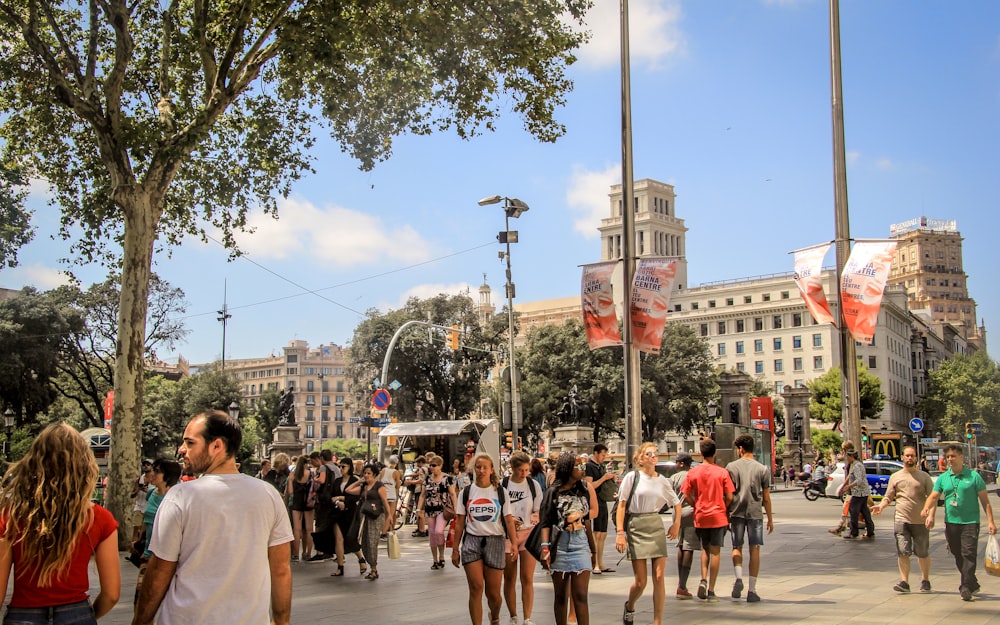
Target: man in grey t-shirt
(746, 512)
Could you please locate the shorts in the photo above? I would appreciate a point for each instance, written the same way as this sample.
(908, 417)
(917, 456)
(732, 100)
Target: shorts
(70, 614)
(912, 539)
(600, 522)
(687, 538)
(573, 553)
(522, 538)
(711, 536)
(752, 529)
(492, 550)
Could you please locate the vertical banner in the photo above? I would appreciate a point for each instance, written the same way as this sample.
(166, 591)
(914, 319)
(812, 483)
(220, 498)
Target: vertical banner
(109, 407)
(654, 278)
(599, 318)
(861, 286)
(808, 270)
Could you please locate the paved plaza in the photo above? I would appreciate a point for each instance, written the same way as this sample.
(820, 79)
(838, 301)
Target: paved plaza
(808, 577)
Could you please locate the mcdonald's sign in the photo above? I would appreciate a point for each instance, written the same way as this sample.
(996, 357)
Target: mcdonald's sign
(886, 444)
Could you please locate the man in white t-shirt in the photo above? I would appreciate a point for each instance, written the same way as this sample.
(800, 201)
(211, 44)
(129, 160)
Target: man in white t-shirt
(220, 543)
(525, 497)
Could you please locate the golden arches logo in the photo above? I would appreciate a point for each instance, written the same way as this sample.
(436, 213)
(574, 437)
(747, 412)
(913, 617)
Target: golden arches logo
(888, 447)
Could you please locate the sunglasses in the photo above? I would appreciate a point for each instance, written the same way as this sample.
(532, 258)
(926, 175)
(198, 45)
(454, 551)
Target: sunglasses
(581, 465)
(651, 454)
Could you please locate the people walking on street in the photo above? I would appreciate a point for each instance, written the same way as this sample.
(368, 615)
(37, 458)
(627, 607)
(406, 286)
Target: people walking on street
(222, 517)
(751, 501)
(640, 528)
(392, 480)
(963, 491)
(439, 489)
(303, 514)
(687, 539)
(415, 484)
(375, 520)
(50, 530)
(602, 483)
(565, 521)
(856, 483)
(709, 489)
(323, 534)
(165, 475)
(909, 488)
(483, 520)
(346, 523)
(525, 497)
(140, 486)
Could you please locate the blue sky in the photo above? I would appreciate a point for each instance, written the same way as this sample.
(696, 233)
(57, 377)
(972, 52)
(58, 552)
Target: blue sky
(731, 105)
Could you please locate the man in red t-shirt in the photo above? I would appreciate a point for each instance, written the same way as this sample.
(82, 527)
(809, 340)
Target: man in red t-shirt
(709, 489)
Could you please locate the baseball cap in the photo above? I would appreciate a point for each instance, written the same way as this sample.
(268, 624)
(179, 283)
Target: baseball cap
(683, 458)
(147, 461)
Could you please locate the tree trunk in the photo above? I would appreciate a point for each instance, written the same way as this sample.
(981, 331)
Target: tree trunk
(141, 218)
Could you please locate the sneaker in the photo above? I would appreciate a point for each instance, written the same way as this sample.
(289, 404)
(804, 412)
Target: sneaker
(753, 597)
(901, 587)
(966, 594)
(318, 557)
(528, 621)
(711, 597)
(703, 590)
(925, 585)
(682, 593)
(628, 615)
(738, 588)
(513, 620)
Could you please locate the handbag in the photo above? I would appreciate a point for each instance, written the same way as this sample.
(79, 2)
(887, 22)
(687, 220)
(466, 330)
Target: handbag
(392, 544)
(992, 559)
(533, 544)
(448, 511)
(371, 508)
(607, 491)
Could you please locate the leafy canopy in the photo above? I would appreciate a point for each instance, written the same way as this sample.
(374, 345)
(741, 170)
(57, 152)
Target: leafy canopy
(825, 402)
(963, 389)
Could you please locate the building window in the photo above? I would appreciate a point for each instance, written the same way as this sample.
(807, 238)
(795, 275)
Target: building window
(741, 367)
(721, 348)
(694, 305)
(324, 432)
(309, 386)
(777, 343)
(747, 299)
(711, 303)
(722, 327)
(340, 386)
(766, 297)
(817, 362)
(817, 340)
(872, 362)
(704, 329)
(292, 371)
(339, 400)
(309, 415)
(776, 322)
(758, 366)
(292, 358)
(796, 320)
(779, 366)
(340, 431)
(338, 415)
(797, 364)
(310, 430)
(739, 347)
(758, 324)
(324, 400)
(797, 342)
(324, 415)
(758, 345)
(310, 400)
(729, 301)
(784, 295)
(326, 386)
(740, 325)
(779, 387)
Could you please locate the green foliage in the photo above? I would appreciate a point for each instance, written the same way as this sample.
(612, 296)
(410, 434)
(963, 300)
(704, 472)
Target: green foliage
(346, 447)
(164, 417)
(445, 384)
(825, 404)
(677, 383)
(826, 442)
(962, 389)
(15, 221)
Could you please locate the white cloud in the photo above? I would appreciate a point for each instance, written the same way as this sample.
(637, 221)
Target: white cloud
(885, 163)
(853, 157)
(339, 236)
(38, 276)
(39, 188)
(427, 291)
(654, 33)
(587, 196)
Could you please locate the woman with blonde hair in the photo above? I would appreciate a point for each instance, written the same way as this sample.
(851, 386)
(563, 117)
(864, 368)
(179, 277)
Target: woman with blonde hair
(302, 513)
(49, 531)
(642, 494)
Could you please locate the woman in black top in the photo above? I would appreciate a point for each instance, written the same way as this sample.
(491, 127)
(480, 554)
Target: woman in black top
(347, 508)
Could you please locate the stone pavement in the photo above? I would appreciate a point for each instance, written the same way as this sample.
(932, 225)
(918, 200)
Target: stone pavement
(808, 577)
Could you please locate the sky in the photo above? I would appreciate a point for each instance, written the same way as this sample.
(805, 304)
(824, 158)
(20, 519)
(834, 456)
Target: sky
(731, 104)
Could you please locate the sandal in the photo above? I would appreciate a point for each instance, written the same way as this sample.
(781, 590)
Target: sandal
(435, 566)
(339, 572)
(373, 575)
(363, 564)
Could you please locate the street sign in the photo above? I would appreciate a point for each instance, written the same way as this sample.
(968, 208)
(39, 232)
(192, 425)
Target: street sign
(928, 441)
(381, 399)
(355, 420)
(977, 428)
(395, 385)
(916, 425)
(380, 423)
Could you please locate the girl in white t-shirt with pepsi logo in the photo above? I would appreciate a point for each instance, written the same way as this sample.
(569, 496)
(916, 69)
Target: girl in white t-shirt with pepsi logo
(483, 522)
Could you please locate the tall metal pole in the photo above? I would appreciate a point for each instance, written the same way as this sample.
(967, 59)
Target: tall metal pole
(633, 391)
(224, 316)
(515, 390)
(850, 394)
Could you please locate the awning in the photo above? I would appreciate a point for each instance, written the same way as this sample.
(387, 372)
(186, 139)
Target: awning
(433, 428)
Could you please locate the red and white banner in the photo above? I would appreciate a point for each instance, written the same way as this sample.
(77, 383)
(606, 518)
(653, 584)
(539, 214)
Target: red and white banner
(808, 272)
(109, 408)
(651, 285)
(861, 286)
(600, 320)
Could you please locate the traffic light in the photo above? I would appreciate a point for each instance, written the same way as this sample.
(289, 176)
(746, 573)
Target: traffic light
(453, 338)
(968, 430)
(510, 439)
(864, 433)
(734, 412)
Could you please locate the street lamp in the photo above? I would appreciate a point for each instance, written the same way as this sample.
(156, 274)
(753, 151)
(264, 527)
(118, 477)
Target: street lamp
(234, 410)
(797, 432)
(512, 209)
(8, 425)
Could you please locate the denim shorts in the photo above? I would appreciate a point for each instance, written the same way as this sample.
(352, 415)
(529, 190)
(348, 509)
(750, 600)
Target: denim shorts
(70, 614)
(573, 552)
(752, 529)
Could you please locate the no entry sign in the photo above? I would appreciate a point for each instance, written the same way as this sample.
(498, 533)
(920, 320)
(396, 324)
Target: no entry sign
(381, 399)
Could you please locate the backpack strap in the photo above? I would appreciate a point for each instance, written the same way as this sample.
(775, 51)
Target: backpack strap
(628, 501)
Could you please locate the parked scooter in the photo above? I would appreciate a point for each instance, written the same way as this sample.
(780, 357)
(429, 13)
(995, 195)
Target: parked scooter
(815, 488)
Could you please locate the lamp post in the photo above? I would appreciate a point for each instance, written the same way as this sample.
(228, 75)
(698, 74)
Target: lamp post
(712, 410)
(512, 208)
(8, 425)
(797, 432)
(234, 410)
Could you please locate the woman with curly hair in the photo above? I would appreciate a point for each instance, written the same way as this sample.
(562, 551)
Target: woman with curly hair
(565, 525)
(49, 531)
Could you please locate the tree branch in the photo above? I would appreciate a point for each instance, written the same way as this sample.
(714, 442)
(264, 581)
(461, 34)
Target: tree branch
(205, 50)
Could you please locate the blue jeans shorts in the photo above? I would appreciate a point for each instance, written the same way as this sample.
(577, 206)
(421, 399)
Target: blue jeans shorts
(70, 614)
(752, 529)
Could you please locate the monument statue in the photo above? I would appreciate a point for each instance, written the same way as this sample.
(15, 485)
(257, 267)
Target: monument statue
(286, 407)
(573, 411)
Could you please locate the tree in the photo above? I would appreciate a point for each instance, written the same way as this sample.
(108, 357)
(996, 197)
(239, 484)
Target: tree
(826, 442)
(677, 383)
(151, 119)
(825, 404)
(15, 221)
(444, 384)
(87, 359)
(963, 389)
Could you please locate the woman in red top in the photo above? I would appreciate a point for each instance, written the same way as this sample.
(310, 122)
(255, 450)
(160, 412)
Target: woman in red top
(49, 531)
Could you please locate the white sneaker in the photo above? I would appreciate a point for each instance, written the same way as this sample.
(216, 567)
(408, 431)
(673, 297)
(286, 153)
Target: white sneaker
(528, 621)
(513, 620)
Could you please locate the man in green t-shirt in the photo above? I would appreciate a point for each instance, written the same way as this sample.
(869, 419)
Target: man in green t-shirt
(963, 491)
